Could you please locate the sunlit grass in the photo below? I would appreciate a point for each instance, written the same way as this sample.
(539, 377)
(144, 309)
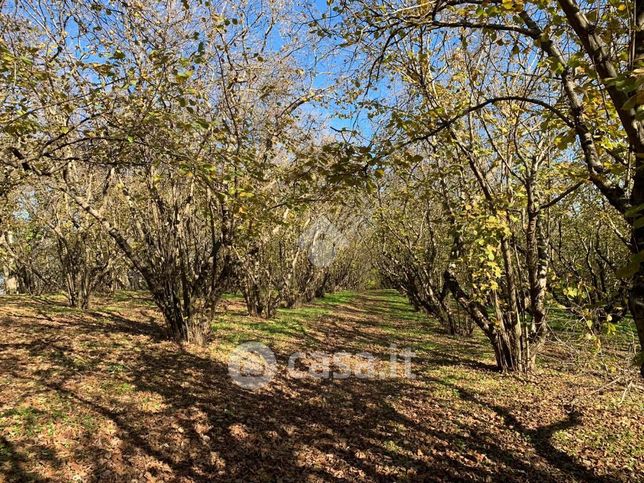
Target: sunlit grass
(286, 328)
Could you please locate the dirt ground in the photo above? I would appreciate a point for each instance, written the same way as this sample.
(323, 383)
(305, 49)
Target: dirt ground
(102, 396)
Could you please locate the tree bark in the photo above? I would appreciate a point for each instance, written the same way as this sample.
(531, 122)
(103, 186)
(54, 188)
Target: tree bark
(636, 298)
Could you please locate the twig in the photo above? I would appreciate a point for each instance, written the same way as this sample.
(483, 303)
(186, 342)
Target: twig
(628, 386)
(599, 389)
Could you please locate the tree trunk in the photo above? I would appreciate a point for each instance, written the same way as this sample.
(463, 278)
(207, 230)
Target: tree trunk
(505, 351)
(197, 328)
(636, 298)
(537, 261)
(186, 323)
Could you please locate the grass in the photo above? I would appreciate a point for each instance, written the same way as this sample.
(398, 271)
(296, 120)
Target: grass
(562, 322)
(98, 395)
(285, 329)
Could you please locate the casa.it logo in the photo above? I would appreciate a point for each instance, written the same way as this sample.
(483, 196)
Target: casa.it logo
(253, 365)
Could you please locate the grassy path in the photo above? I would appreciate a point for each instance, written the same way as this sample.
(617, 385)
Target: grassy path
(101, 396)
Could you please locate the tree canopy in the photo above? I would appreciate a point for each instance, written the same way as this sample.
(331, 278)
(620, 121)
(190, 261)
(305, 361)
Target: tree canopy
(483, 158)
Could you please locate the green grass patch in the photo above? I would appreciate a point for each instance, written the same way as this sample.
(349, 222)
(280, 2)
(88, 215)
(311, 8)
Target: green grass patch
(288, 325)
(394, 305)
(119, 388)
(336, 298)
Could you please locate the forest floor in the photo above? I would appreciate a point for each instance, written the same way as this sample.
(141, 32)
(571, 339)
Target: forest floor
(102, 396)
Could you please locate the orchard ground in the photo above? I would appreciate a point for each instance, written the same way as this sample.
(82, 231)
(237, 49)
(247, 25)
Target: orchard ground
(103, 396)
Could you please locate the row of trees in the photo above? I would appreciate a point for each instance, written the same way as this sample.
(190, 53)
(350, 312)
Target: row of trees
(162, 141)
(492, 168)
(520, 125)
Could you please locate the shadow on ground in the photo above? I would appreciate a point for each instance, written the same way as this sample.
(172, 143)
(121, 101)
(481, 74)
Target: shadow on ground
(127, 404)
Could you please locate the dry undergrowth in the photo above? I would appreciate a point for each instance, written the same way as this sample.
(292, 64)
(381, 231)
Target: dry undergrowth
(101, 396)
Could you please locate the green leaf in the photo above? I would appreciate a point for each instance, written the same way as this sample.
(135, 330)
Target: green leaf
(181, 77)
